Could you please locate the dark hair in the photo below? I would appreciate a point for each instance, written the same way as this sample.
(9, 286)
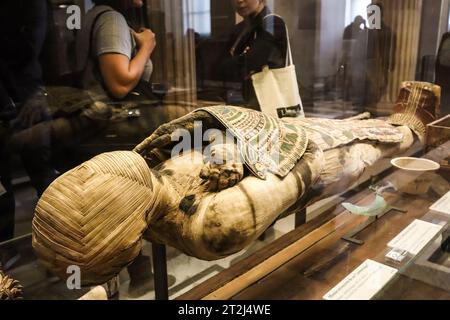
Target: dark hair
(123, 6)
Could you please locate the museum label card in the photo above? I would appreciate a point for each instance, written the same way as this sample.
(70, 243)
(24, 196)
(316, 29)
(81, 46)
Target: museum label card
(2, 189)
(415, 237)
(363, 283)
(443, 205)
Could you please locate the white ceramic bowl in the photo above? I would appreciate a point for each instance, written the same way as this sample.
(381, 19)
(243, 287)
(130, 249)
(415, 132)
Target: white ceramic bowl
(417, 174)
(415, 164)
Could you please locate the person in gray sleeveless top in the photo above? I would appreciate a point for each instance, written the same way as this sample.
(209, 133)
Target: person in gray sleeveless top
(121, 55)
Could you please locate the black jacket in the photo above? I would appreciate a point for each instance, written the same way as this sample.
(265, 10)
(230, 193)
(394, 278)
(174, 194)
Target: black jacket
(23, 26)
(254, 43)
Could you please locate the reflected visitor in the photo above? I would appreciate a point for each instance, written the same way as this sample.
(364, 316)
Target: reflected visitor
(381, 52)
(120, 60)
(22, 34)
(259, 40)
(354, 61)
(48, 123)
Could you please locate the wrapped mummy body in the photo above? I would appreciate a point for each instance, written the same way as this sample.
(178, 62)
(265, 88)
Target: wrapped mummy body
(96, 215)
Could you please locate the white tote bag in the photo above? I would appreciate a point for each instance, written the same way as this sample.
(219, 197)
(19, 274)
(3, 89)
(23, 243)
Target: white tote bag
(277, 89)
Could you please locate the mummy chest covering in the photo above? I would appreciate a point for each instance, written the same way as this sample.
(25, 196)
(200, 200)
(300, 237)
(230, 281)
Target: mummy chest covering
(266, 144)
(278, 145)
(96, 215)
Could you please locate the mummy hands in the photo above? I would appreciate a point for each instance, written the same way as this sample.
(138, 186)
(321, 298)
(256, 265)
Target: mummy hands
(222, 166)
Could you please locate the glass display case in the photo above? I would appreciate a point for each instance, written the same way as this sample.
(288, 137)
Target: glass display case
(83, 80)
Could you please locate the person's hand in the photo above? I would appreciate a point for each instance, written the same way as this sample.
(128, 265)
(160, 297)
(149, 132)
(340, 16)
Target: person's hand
(223, 168)
(145, 37)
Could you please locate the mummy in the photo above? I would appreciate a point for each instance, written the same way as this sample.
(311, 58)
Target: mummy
(213, 204)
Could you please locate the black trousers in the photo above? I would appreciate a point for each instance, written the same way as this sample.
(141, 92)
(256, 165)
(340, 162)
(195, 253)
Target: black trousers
(35, 152)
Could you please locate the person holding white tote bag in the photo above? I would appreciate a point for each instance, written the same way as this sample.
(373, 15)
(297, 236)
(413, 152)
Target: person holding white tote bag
(277, 89)
(259, 49)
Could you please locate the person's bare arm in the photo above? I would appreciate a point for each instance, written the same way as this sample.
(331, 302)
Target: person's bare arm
(120, 74)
